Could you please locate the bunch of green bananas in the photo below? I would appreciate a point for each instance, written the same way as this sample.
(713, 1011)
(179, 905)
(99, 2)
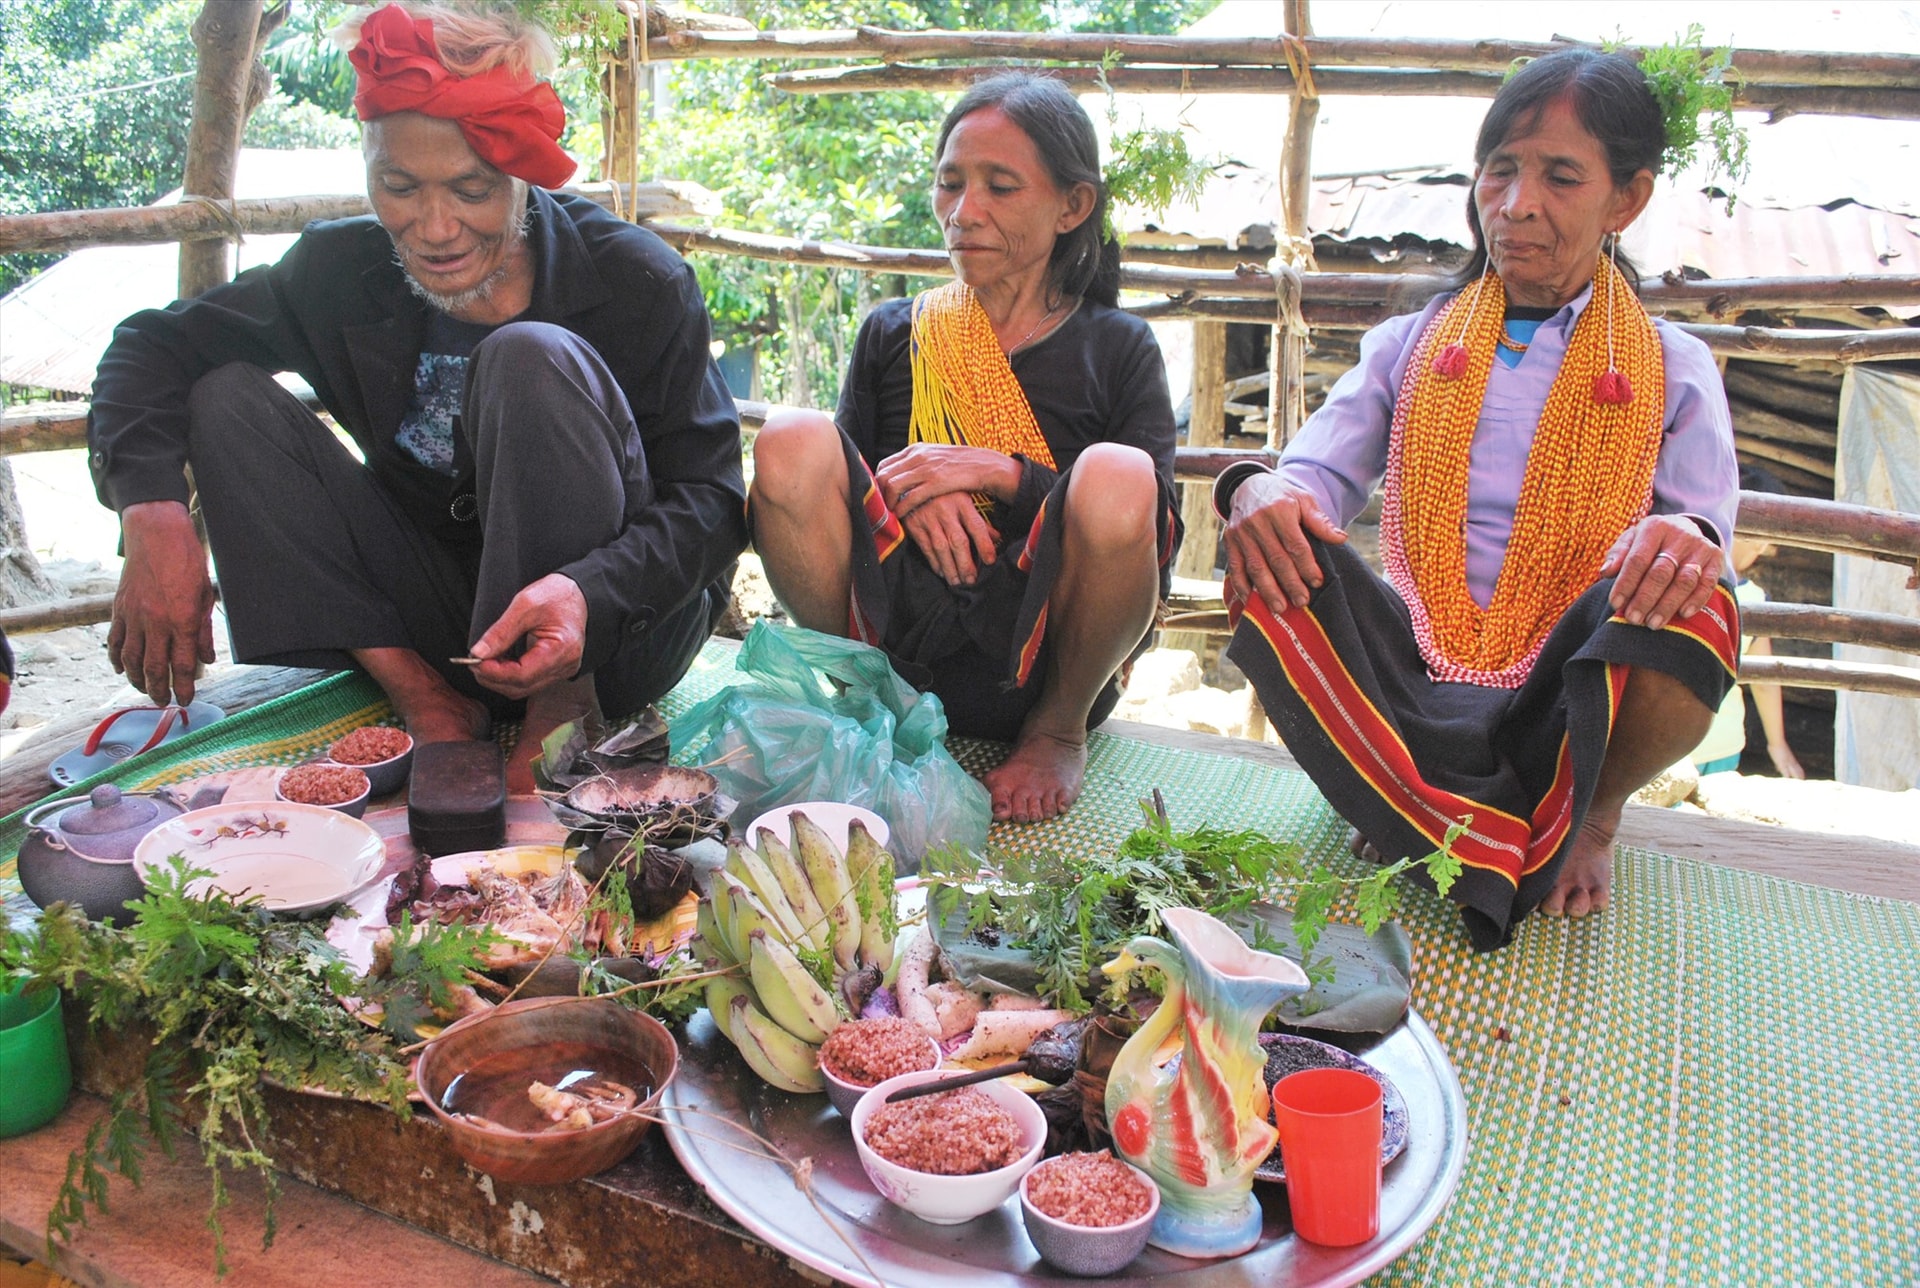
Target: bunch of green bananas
(811, 929)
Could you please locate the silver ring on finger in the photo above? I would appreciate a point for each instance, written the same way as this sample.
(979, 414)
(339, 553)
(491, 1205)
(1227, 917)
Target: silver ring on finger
(1669, 556)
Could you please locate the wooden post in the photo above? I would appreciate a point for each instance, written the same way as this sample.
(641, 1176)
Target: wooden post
(227, 85)
(1286, 396)
(1206, 427)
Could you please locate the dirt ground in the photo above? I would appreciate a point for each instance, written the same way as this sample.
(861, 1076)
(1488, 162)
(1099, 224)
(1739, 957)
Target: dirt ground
(65, 672)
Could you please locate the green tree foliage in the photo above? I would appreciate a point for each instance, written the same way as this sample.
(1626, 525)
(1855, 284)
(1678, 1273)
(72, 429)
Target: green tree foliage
(95, 101)
(849, 167)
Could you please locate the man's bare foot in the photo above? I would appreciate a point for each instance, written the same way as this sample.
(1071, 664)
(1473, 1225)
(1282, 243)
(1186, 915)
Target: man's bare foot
(547, 710)
(456, 719)
(1041, 778)
(1586, 876)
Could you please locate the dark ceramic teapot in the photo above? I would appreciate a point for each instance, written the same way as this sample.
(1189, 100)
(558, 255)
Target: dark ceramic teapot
(82, 850)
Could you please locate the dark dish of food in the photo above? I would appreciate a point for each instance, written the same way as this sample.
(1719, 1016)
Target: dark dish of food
(952, 1133)
(458, 800)
(1088, 1189)
(369, 745)
(868, 1052)
(322, 784)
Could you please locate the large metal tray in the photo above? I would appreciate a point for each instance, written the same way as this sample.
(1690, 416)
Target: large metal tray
(993, 1251)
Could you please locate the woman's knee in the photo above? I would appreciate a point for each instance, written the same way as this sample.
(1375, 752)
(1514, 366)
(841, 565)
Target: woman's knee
(797, 452)
(1113, 498)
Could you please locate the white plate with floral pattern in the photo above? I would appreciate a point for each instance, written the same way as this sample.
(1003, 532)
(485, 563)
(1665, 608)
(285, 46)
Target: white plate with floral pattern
(294, 858)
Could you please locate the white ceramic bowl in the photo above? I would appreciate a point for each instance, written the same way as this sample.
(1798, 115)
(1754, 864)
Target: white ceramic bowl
(844, 1095)
(354, 806)
(297, 858)
(831, 817)
(385, 776)
(949, 1200)
(1091, 1250)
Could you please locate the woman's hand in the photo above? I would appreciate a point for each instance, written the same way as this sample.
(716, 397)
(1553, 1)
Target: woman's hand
(551, 616)
(1267, 549)
(927, 471)
(954, 536)
(1663, 570)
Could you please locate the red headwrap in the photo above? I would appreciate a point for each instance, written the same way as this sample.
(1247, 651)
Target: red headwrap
(513, 122)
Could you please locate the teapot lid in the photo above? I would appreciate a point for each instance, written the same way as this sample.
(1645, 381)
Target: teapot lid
(107, 813)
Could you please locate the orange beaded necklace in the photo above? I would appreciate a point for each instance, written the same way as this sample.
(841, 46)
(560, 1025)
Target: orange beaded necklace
(1589, 476)
(964, 391)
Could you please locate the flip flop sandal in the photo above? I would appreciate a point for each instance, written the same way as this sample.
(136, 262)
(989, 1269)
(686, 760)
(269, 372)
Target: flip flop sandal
(128, 732)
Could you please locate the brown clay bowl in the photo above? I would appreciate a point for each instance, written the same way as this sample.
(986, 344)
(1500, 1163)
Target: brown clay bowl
(488, 1061)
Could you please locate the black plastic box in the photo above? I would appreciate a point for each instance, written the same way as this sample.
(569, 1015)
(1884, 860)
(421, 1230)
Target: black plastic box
(458, 797)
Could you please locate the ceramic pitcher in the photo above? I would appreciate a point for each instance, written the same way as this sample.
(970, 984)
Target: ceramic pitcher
(1198, 1124)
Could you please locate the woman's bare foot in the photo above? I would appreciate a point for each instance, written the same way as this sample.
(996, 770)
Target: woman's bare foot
(1365, 850)
(547, 710)
(1039, 779)
(1586, 876)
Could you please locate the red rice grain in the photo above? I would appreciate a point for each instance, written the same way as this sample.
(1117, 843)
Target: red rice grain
(949, 1133)
(1088, 1190)
(866, 1053)
(369, 745)
(322, 784)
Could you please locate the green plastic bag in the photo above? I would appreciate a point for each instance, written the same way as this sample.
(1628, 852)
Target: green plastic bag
(828, 719)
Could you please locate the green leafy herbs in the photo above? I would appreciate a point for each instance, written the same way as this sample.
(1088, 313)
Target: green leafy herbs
(1072, 912)
(426, 964)
(227, 997)
(1149, 167)
(1690, 81)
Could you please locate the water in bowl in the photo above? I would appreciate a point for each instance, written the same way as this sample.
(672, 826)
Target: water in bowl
(496, 1088)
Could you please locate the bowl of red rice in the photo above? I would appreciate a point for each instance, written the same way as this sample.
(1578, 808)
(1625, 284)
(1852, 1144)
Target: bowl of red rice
(950, 1156)
(1088, 1214)
(383, 753)
(864, 1053)
(327, 785)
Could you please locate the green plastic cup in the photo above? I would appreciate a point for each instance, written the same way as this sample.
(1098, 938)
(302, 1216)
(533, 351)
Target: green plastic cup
(33, 1058)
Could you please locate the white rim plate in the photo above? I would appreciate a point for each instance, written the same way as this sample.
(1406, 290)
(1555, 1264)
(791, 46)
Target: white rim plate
(295, 858)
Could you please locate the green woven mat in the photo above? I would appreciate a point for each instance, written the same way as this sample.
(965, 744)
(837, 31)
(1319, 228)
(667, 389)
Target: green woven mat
(1712, 1083)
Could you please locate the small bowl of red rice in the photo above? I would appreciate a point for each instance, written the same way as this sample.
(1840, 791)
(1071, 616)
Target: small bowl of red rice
(323, 783)
(950, 1156)
(1088, 1214)
(384, 754)
(864, 1053)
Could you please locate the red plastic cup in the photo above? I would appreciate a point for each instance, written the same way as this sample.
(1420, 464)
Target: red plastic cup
(1329, 1121)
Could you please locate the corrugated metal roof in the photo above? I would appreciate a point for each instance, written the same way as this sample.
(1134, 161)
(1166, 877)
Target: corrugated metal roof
(54, 329)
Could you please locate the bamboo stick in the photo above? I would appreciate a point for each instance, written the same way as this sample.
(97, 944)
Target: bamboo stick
(193, 219)
(1892, 103)
(1765, 66)
(1817, 524)
(82, 610)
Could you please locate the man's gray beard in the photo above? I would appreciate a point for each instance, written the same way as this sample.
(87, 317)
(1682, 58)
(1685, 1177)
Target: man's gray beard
(460, 301)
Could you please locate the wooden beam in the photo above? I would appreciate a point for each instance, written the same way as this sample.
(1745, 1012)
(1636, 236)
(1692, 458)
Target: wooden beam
(1206, 427)
(1891, 103)
(42, 427)
(1778, 620)
(1779, 397)
(1830, 525)
(81, 610)
(1751, 419)
(1761, 66)
(194, 219)
(1815, 673)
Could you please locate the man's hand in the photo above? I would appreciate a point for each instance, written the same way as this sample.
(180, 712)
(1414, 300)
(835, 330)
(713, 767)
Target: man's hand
(551, 616)
(954, 536)
(1267, 549)
(925, 472)
(1663, 570)
(162, 633)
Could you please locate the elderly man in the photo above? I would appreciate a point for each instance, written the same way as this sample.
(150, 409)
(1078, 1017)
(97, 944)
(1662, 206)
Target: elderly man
(551, 480)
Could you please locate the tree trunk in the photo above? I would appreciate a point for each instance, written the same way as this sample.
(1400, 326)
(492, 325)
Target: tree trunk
(1206, 427)
(21, 579)
(227, 35)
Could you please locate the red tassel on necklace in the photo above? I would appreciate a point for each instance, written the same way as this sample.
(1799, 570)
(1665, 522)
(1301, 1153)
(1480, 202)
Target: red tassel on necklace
(1451, 361)
(1613, 388)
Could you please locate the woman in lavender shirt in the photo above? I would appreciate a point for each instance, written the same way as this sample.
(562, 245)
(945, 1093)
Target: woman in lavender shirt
(1559, 485)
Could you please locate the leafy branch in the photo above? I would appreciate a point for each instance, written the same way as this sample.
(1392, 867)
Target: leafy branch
(1071, 912)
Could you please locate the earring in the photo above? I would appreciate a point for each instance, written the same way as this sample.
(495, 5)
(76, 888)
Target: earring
(1451, 362)
(1612, 386)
